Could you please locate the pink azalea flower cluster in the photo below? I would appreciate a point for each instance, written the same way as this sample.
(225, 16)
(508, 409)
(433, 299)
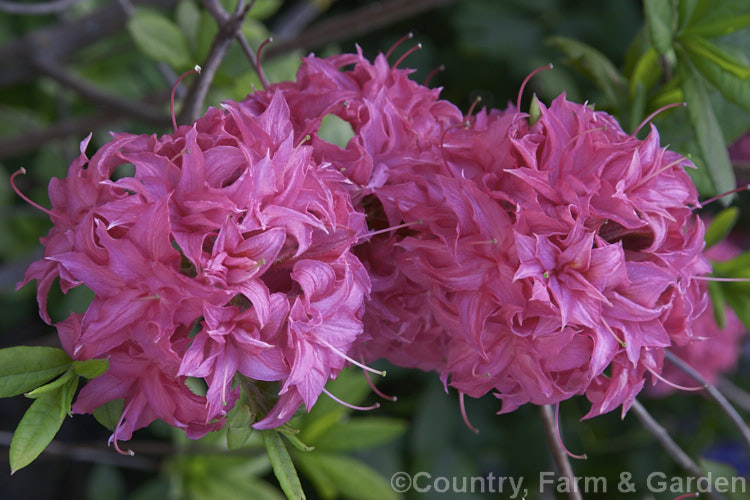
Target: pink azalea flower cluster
(535, 261)
(228, 252)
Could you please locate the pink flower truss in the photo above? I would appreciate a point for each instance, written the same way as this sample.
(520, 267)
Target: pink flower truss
(226, 252)
(561, 257)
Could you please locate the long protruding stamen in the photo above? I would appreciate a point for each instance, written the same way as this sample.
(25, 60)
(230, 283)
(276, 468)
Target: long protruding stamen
(688, 495)
(261, 75)
(432, 74)
(113, 437)
(473, 105)
(662, 169)
(392, 228)
(195, 70)
(559, 436)
(376, 390)
(728, 280)
(352, 361)
(672, 384)
(722, 195)
(462, 405)
(22, 171)
(406, 54)
(348, 405)
(526, 80)
(652, 115)
(401, 40)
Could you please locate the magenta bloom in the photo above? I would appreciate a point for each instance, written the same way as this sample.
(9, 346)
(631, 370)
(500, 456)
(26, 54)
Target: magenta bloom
(227, 253)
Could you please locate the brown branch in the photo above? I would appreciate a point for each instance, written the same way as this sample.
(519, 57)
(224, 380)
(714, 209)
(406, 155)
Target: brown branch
(670, 446)
(31, 9)
(717, 396)
(558, 453)
(354, 24)
(229, 25)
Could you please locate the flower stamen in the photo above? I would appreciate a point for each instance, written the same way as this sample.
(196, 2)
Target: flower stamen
(195, 71)
(401, 40)
(22, 171)
(462, 405)
(526, 80)
(349, 405)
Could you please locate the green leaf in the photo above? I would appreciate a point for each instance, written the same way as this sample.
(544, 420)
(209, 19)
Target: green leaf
(188, 18)
(159, 38)
(24, 368)
(647, 71)
(317, 475)
(721, 225)
(354, 479)
(362, 432)
(38, 427)
(720, 27)
(295, 441)
(659, 16)
(335, 130)
(727, 74)
(263, 9)
(91, 368)
(535, 112)
(238, 425)
(197, 386)
(283, 468)
(716, 292)
(58, 382)
(593, 64)
(109, 413)
(708, 133)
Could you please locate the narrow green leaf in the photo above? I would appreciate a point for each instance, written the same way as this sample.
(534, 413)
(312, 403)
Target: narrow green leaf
(295, 441)
(283, 468)
(535, 112)
(24, 368)
(238, 436)
(109, 413)
(36, 429)
(730, 76)
(159, 38)
(264, 8)
(593, 64)
(91, 368)
(719, 27)
(316, 474)
(354, 479)
(704, 49)
(711, 143)
(54, 385)
(197, 386)
(362, 432)
(647, 71)
(719, 302)
(721, 225)
(188, 18)
(659, 16)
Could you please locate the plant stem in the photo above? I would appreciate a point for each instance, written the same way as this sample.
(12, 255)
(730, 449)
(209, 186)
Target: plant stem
(558, 453)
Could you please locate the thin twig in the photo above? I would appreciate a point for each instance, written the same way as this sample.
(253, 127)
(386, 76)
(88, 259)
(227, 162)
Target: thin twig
(558, 453)
(33, 9)
(717, 396)
(136, 109)
(228, 27)
(734, 393)
(670, 446)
